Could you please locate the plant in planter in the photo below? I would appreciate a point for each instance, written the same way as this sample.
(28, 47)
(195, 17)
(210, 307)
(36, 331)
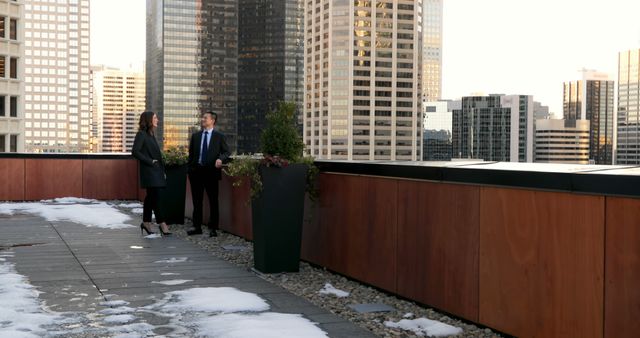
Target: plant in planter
(173, 198)
(278, 183)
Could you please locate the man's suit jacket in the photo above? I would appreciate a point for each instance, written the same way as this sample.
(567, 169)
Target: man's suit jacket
(217, 149)
(146, 149)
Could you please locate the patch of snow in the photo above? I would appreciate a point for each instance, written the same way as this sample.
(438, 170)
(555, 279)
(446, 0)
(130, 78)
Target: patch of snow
(173, 260)
(21, 313)
(212, 300)
(130, 205)
(98, 214)
(132, 330)
(264, 325)
(119, 319)
(70, 200)
(114, 303)
(328, 289)
(425, 327)
(173, 281)
(117, 310)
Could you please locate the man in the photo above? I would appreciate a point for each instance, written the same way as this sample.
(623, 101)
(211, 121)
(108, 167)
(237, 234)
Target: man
(208, 150)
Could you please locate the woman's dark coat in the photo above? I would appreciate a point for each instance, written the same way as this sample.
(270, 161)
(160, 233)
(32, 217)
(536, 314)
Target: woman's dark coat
(146, 149)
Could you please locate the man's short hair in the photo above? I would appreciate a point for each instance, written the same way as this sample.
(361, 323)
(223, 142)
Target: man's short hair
(214, 116)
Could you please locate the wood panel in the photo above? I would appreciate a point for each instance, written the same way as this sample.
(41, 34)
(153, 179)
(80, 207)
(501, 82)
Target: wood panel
(541, 263)
(622, 274)
(235, 207)
(225, 200)
(356, 234)
(110, 179)
(52, 178)
(438, 227)
(11, 179)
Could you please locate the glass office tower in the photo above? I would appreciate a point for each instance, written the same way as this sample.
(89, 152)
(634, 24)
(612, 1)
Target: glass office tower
(592, 99)
(270, 64)
(628, 107)
(192, 66)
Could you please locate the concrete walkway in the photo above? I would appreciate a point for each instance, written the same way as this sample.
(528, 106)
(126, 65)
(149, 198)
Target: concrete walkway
(65, 260)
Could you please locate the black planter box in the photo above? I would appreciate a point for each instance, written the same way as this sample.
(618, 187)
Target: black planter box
(173, 197)
(278, 214)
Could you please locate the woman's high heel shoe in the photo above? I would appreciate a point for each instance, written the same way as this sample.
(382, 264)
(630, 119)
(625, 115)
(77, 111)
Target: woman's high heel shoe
(162, 232)
(144, 228)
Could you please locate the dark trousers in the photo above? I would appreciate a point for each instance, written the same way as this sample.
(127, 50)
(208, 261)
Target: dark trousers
(203, 180)
(152, 202)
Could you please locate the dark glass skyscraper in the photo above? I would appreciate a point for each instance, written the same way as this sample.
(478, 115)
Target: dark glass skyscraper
(192, 65)
(592, 99)
(270, 64)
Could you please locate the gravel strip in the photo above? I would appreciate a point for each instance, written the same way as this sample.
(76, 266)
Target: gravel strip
(310, 280)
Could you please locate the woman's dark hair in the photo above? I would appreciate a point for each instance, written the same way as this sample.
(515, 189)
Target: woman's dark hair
(146, 122)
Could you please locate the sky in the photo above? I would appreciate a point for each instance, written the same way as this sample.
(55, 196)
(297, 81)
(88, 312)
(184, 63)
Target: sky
(118, 33)
(525, 47)
(532, 47)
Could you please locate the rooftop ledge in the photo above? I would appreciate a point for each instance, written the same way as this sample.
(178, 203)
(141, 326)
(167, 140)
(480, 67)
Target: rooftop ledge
(589, 179)
(616, 180)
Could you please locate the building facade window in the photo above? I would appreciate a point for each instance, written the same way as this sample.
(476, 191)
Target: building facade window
(13, 143)
(13, 106)
(13, 29)
(13, 68)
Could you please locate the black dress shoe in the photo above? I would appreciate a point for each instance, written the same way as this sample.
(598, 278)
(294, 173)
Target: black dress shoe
(213, 233)
(194, 232)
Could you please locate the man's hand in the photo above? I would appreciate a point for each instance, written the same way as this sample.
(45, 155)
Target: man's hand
(218, 163)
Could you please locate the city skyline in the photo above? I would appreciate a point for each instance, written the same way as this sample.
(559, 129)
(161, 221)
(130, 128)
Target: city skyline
(550, 58)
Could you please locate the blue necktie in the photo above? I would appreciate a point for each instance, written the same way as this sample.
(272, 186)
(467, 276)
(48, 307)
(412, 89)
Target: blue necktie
(205, 147)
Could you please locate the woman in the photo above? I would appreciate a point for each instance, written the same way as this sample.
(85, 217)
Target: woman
(152, 176)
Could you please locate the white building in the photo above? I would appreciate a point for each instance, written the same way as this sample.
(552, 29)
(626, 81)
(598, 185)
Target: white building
(57, 108)
(11, 76)
(363, 85)
(562, 141)
(118, 99)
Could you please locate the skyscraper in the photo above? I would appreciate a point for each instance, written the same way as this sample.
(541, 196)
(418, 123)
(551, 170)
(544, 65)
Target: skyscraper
(11, 77)
(192, 66)
(270, 63)
(432, 50)
(592, 99)
(117, 94)
(494, 128)
(363, 79)
(57, 111)
(628, 149)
